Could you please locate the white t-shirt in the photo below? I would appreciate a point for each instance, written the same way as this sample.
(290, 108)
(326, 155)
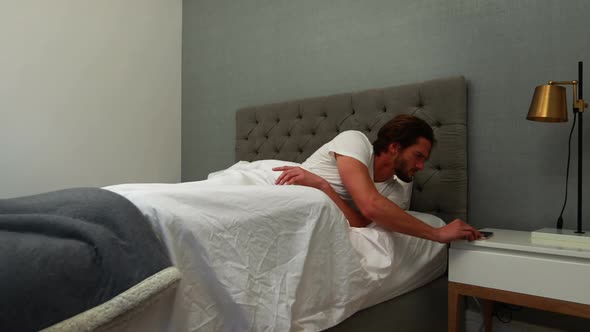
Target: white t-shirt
(356, 145)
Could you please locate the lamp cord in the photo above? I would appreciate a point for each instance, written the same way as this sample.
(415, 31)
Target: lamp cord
(567, 172)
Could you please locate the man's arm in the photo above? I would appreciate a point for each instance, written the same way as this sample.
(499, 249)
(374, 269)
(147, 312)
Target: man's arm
(378, 208)
(299, 176)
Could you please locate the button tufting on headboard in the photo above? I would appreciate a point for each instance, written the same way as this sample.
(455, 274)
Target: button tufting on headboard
(294, 130)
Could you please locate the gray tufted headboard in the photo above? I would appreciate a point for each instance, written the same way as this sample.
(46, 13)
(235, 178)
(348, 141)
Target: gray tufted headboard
(293, 130)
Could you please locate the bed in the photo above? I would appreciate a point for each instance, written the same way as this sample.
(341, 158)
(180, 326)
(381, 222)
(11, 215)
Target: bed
(295, 264)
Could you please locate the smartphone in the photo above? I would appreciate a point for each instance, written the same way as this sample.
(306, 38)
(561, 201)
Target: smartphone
(486, 235)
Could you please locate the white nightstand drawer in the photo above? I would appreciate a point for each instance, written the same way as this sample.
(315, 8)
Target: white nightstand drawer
(557, 277)
(510, 261)
(509, 268)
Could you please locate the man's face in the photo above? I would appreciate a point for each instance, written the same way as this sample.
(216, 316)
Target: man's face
(412, 159)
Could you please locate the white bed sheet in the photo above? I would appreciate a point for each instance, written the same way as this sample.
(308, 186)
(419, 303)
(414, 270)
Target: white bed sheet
(260, 257)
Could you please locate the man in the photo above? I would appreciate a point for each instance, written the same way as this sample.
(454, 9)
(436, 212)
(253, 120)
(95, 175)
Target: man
(348, 168)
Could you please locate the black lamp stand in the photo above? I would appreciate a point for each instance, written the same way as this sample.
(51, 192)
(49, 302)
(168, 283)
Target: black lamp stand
(580, 114)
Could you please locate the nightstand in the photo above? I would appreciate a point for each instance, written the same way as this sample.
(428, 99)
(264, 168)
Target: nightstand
(509, 268)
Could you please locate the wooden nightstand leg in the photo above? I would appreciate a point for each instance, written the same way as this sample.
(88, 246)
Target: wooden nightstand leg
(454, 310)
(488, 309)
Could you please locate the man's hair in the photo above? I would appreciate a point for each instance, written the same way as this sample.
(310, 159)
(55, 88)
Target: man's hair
(404, 130)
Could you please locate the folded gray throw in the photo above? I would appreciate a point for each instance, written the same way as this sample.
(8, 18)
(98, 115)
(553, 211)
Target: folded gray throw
(64, 252)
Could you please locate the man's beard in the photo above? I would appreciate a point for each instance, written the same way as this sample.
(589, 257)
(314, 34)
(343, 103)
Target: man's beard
(401, 171)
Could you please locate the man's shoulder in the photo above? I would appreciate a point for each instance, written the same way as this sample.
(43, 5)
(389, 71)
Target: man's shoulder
(353, 143)
(352, 134)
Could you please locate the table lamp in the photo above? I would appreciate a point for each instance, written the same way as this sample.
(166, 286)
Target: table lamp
(549, 104)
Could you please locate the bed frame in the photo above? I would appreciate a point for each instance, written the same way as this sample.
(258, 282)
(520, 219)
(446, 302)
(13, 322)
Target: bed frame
(293, 130)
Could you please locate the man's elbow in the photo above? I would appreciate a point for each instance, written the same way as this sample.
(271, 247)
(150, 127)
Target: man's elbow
(370, 209)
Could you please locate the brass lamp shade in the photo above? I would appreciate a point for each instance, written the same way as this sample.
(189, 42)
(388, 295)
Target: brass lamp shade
(549, 104)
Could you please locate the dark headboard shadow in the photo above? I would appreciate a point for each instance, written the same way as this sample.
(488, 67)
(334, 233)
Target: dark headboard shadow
(293, 130)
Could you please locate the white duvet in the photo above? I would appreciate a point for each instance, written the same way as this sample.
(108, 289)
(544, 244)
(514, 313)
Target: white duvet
(260, 257)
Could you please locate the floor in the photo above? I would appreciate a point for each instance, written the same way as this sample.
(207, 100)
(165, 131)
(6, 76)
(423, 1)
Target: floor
(474, 323)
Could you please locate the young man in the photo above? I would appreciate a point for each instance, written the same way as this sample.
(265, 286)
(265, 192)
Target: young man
(348, 169)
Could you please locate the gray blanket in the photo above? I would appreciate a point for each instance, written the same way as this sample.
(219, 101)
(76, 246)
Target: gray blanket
(64, 252)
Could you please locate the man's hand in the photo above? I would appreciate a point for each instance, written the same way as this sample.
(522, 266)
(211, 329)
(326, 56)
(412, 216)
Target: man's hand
(456, 230)
(297, 175)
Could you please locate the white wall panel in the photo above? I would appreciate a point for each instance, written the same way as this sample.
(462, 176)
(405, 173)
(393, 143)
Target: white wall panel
(90, 93)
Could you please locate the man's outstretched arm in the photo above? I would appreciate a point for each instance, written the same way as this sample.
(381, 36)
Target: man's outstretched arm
(378, 208)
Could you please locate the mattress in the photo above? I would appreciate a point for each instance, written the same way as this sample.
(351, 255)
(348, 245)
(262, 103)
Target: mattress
(260, 257)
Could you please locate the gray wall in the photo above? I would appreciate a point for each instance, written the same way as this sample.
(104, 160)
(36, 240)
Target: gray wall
(89, 93)
(240, 53)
